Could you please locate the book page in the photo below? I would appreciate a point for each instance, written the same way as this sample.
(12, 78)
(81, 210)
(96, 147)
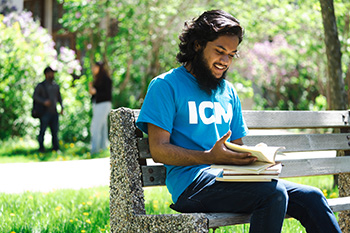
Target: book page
(272, 170)
(254, 168)
(263, 153)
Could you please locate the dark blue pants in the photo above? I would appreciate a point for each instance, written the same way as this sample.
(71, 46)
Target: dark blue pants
(267, 201)
(51, 120)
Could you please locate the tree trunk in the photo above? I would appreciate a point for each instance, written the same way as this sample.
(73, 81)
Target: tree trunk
(337, 92)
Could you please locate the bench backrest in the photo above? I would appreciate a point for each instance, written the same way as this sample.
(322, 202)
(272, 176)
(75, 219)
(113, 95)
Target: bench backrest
(314, 140)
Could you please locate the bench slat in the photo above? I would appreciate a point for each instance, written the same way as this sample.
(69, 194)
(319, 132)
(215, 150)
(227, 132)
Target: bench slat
(227, 219)
(319, 166)
(339, 204)
(292, 119)
(295, 119)
(292, 142)
(303, 142)
(155, 175)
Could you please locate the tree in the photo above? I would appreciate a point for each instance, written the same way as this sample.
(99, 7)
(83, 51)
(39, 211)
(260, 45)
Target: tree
(337, 93)
(145, 44)
(338, 98)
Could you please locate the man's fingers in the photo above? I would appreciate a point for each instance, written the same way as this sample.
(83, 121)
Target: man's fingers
(226, 136)
(244, 158)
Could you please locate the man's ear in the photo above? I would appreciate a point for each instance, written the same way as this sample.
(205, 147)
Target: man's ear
(197, 46)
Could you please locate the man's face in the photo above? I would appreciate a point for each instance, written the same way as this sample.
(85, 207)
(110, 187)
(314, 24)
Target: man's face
(219, 54)
(211, 63)
(50, 75)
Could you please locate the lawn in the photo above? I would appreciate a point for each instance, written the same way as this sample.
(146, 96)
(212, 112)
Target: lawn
(87, 210)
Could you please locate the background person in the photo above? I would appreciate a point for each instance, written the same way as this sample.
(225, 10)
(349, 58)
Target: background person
(48, 93)
(190, 111)
(101, 91)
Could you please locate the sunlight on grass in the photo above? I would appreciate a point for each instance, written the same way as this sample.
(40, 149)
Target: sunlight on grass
(87, 210)
(59, 211)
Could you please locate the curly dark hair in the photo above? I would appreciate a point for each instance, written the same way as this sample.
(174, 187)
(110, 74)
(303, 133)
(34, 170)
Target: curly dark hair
(207, 27)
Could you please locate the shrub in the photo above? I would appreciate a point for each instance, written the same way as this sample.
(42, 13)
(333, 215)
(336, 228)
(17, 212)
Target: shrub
(25, 50)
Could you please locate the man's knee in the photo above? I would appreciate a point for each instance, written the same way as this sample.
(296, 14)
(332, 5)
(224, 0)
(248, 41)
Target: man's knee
(313, 193)
(281, 196)
(277, 197)
(315, 197)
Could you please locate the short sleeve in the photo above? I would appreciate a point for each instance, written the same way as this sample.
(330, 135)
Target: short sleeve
(158, 107)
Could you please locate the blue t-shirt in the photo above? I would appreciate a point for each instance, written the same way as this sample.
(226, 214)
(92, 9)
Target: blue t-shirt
(194, 119)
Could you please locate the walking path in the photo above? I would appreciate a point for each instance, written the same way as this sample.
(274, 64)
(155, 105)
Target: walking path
(48, 176)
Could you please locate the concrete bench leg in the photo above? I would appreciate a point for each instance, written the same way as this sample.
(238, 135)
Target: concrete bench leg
(344, 191)
(127, 208)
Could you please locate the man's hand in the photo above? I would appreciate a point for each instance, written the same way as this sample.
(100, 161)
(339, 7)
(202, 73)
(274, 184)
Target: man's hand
(222, 155)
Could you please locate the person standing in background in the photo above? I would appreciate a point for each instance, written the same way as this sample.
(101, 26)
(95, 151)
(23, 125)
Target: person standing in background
(101, 91)
(48, 94)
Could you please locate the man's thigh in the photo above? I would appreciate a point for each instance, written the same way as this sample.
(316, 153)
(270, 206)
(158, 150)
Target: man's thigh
(209, 195)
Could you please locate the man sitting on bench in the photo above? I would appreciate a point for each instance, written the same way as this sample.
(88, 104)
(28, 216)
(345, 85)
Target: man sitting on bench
(189, 112)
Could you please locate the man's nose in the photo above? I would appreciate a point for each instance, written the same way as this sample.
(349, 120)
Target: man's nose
(225, 59)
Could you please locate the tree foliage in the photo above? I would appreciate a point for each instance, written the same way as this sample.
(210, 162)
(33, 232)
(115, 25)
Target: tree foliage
(139, 41)
(294, 74)
(282, 57)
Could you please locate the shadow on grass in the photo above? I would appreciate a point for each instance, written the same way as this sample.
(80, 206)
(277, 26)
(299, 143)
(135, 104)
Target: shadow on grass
(21, 151)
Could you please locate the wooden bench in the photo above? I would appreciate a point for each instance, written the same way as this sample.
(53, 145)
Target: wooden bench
(130, 172)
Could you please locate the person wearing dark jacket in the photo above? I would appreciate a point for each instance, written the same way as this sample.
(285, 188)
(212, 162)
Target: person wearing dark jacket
(101, 91)
(48, 94)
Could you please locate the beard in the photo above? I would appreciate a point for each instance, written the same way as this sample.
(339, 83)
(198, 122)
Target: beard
(205, 78)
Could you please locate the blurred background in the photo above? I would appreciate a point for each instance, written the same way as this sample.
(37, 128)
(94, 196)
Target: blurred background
(282, 64)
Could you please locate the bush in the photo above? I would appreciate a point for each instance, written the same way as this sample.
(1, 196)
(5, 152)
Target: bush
(25, 50)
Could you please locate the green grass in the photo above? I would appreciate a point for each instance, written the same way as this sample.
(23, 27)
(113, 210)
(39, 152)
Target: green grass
(25, 150)
(87, 210)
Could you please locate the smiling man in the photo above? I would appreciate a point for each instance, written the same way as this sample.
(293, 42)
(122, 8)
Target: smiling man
(189, 112)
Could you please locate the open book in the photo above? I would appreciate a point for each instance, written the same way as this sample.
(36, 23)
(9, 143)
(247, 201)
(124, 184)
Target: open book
(264, 169)
(263, 152)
